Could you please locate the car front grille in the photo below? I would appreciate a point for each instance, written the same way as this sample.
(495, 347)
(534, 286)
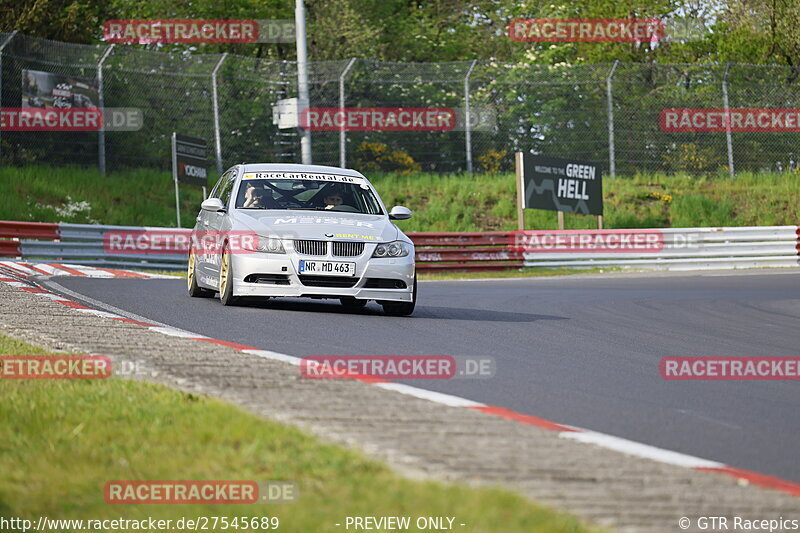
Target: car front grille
(311, 247)
(348, 249)
(339, 248)
(328, 281)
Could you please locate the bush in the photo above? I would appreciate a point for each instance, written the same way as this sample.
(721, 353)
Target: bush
(492, 160)
(378, 157)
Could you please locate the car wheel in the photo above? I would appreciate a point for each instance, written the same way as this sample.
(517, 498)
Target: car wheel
(353, 303)
(195, 291)
(226, 279)
(401, 308)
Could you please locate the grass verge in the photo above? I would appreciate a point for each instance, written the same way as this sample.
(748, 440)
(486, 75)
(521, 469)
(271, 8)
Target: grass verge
(487, 202)
(70, 194)
(455, 202)
(60, 441)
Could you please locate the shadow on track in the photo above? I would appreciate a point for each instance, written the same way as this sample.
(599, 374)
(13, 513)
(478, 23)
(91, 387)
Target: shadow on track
(372, 309)
(479, 315)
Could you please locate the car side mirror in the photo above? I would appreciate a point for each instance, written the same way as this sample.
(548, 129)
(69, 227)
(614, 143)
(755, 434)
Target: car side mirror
(399, 212)
(214, 205)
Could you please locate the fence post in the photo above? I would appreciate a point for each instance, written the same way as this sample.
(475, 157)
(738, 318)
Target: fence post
(173, 144)
(467, 117)
(612, 160)
(342, 139)
(726, 105)
(215, 108)
(101, 134)
(302, 78)
(2, 47)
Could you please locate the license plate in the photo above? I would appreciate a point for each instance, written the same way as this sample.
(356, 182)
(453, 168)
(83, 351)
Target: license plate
(327, 268)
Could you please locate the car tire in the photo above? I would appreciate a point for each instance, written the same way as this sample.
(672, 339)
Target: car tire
(352, 304)
(401, 308)
(195, 291)
(226, 279)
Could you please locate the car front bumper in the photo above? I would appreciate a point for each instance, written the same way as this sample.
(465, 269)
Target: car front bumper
(368, 269)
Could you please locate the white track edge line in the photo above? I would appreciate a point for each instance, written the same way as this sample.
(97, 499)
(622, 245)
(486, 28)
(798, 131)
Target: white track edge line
(275, 356)
(176, 332)
(96, 303)
(436, 397)
(638, 449)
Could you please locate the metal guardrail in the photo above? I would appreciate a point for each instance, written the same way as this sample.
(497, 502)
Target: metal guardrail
(475, 252)
(80, 244)
(672, 248)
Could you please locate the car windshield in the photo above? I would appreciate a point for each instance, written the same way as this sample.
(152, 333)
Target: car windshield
(313, 192)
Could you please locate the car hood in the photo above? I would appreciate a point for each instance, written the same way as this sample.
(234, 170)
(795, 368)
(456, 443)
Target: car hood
(320, 225)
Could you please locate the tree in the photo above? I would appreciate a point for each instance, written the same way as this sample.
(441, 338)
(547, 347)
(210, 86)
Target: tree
(75, 21)
(760, 31)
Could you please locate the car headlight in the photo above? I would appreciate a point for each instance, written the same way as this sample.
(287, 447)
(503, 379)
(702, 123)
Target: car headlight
(392, 249)
(270, 245)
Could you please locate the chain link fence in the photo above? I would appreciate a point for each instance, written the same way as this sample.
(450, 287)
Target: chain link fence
(607, 113)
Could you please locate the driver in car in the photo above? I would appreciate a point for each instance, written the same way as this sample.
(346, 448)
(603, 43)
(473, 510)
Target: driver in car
(332, 199)
(256, 197)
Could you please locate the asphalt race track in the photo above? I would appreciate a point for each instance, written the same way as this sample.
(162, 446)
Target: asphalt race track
(581, 350)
